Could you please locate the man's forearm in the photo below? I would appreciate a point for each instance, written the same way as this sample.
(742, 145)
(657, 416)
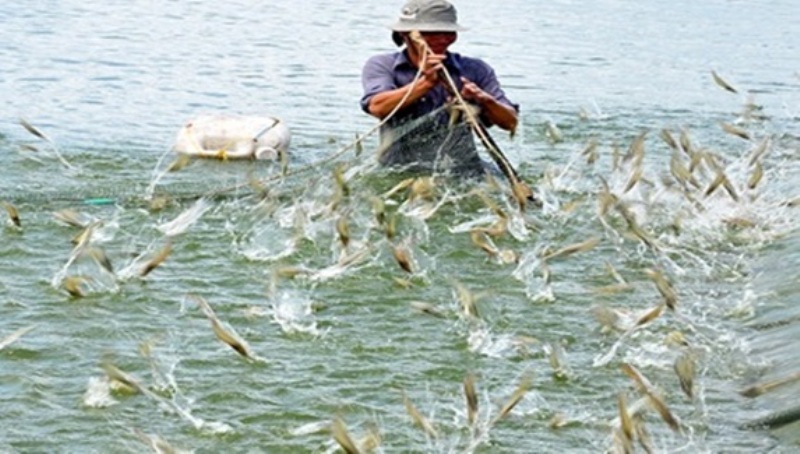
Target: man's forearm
(504, 116)
(382, 104)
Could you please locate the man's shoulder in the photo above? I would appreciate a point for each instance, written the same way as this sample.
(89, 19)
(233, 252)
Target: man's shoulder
(467, 62)
(387, 58)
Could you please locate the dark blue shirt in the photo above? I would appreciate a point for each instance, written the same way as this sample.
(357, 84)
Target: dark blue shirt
(393, 70)
(429, 144)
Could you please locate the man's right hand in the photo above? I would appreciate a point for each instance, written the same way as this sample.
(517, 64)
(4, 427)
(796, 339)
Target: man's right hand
(430, 70)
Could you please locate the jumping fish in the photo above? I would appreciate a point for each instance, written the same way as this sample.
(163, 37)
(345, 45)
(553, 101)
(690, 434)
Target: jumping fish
(695, 160)
(13, 337)
(664, 287)
(761, 149)
(371, 441)
(13, 214)
(33, 130)
(99, 256)
(343, 230)
(616, 156)
(84, 237)
(426, 308)
(157, 259)
(499, 228)
(398, 187)
(621, 443)
(180, 163)
(557, 359)
(403, 257)
(636, 149)
(626, 424)
(650, 315)
(605, 200)
(479, 239)
(666, 136)
(342, 436)
(378, 209)
(471, 398)
(418, 419)
(721, 82)
(634, 226)
(676, 338)
(681, 174)
(643, 436)
(635, 177)
(762, 388)
(590, 151)
(36, 132)
(553, 133)
(390, 227)
(71, 217)
(467, 300)
(516, 397)
(583, 246)
(341, 182)
(421, 188)
(155, 442)
(735, 130)
(645, 387)
(686, 142)
(74, 285)
(228, 337)
(730, 189)
(523, 193)
(755, 177)
(685, 370)
(722, 180)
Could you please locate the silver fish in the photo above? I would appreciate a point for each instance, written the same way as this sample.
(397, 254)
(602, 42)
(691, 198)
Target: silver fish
(583, 246)
(522, 389)
(685, 370)
(762, 388)
(471, 398)
(735, 130)
(228, 337)
(761, 149)
(666, 136)
(721, 82)
(13, 214)
(157, 260)
(13, 337)
(342, 436)
(403, 257)
(418, 419)
(756, 176)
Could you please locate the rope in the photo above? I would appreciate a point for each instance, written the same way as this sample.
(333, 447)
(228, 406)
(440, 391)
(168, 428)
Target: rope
(336, 154)
(522, 192)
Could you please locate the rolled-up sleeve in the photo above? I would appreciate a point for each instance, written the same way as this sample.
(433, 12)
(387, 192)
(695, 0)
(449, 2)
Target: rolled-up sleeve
(489, 83)
(485, 77)
(377, 77)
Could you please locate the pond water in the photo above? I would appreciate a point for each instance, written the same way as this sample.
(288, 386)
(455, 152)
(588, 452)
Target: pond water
(110, 85)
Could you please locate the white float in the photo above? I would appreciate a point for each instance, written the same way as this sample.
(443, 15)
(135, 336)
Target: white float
(233, 137)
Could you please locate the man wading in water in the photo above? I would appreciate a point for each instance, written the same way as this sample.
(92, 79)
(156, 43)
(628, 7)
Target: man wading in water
(419, 136)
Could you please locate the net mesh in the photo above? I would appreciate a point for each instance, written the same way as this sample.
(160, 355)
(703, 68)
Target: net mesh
(431, 144)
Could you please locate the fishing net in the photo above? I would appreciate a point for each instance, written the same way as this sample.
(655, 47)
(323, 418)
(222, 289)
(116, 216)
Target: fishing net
(431, 143)
(435, 143)
(128, 195)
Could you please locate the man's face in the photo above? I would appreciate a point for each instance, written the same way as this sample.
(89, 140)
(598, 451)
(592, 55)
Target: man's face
(439, 41)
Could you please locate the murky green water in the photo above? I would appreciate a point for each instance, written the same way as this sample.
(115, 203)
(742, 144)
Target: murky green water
(112, 84)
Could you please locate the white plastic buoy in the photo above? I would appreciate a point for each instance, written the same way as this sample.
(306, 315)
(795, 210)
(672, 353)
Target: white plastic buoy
(233, 137)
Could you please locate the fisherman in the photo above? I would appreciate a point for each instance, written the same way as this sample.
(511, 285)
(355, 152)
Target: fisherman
(420, 136)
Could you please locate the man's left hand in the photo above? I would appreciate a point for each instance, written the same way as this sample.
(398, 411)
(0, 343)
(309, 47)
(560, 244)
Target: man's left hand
(472, 92)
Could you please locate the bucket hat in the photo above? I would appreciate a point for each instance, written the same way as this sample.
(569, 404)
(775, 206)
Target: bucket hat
(426, 16)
